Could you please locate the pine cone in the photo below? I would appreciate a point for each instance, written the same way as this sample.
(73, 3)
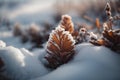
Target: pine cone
(111, 39)
(85, 36)
(67, 23)
(17, 31)
(60, 47)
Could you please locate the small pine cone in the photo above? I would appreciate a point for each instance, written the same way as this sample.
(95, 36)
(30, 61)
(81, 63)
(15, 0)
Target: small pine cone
(113, 36)
(109, 35)
(111, 39)
(83, 35)
(17, 31)
(67, 23)
(24, 37)
(34, 29)
(60, 47)
(33, 32)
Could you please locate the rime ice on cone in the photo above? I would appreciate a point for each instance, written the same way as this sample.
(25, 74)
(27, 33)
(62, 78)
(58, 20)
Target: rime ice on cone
(67, 23)
(60, 47)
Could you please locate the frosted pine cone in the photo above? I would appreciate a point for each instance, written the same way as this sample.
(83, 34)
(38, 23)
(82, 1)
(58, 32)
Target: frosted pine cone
(111, 39)
(67, 23)
(83, 35)
(17, 31)
(60, 47)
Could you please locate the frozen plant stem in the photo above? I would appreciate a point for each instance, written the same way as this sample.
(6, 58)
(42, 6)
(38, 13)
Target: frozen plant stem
(108, 13)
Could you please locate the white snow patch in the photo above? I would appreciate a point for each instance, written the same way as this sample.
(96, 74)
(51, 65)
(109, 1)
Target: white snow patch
(2, 44)
(91, 36)
(90, 63)
(20, 64)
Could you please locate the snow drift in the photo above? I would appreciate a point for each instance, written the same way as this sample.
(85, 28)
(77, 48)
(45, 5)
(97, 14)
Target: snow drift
(20, 64)
(90, 63)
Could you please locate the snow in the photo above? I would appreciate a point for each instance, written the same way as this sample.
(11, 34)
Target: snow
(20, 64)
(2, 44)
(90, 63)
(92, 36)
(105, 26)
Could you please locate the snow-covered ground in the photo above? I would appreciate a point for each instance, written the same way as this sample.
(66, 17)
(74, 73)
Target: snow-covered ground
(20, 64)
(90, 63)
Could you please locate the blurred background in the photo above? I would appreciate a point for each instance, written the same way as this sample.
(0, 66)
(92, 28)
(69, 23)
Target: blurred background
(27, 23)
